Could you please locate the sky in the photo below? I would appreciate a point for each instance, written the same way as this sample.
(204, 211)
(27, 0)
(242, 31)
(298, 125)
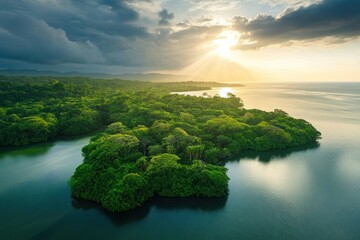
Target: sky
(223, 40)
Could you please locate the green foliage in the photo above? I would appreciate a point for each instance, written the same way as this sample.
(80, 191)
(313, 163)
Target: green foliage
(178, 140)
(28, 130)
(156, 149)
(169, 178)
(131, 192)
(110, 148)
(143, 134)
(155, 143)
(117, 127)
(78, 121)
(109, 178)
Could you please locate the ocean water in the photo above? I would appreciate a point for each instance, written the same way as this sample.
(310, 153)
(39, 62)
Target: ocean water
(311, 192)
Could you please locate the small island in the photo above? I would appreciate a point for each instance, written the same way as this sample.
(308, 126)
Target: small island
(173, 145)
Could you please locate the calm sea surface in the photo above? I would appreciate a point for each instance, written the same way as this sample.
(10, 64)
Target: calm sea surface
(304, 193)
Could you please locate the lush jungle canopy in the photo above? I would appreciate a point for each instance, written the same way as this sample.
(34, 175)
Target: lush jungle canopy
(156, 143)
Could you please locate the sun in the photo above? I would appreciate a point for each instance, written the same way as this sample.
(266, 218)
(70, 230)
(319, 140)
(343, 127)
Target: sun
(224, 43)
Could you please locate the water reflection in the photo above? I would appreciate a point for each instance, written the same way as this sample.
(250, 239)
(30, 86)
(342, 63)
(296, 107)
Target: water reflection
(122, 218)
(194, 203)
(27, 151)
(267, 156)
(116, 218)
(42, 148)
(284, 180)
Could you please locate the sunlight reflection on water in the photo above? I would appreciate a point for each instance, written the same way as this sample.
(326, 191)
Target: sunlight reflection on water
(223, 92)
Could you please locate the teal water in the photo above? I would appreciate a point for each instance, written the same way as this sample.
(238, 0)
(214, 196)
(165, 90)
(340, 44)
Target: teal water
(306, 193)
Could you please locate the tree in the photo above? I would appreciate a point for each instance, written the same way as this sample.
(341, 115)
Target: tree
(143, 134)
(119, 146)
(160, 129)
(117, 127)
(130, 193)
(195, 151)
(155, 149)
(178, 140)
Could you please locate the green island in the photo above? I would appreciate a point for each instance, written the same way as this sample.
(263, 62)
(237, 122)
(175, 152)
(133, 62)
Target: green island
(155, 142)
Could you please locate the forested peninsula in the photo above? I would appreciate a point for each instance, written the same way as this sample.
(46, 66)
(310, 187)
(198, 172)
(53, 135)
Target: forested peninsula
(155, 143)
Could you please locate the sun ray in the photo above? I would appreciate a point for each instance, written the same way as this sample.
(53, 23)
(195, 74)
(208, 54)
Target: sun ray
(220, 64)
(224, 43)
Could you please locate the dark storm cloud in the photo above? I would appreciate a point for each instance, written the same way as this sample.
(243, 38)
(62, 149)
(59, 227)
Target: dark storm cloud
(165, 17)
(34, 40)
(70, 31)
(105, 33)
(337, 19)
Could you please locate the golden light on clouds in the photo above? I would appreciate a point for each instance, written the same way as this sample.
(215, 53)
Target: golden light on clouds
(220, 62)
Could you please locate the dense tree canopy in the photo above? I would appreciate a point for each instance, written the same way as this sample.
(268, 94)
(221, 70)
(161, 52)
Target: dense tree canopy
(156, 143)
(35, 109)
(118, 176)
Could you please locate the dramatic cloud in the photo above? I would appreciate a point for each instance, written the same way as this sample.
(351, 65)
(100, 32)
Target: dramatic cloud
(157, 34)
(102, 32)
(165, 17)
(336, 19)
(71, 31)
(35, 41)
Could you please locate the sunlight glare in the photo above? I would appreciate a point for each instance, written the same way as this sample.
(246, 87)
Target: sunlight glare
(223, 92)
(225, 42)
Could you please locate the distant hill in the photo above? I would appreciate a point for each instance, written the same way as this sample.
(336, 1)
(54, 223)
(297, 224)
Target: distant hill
(155, 77)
